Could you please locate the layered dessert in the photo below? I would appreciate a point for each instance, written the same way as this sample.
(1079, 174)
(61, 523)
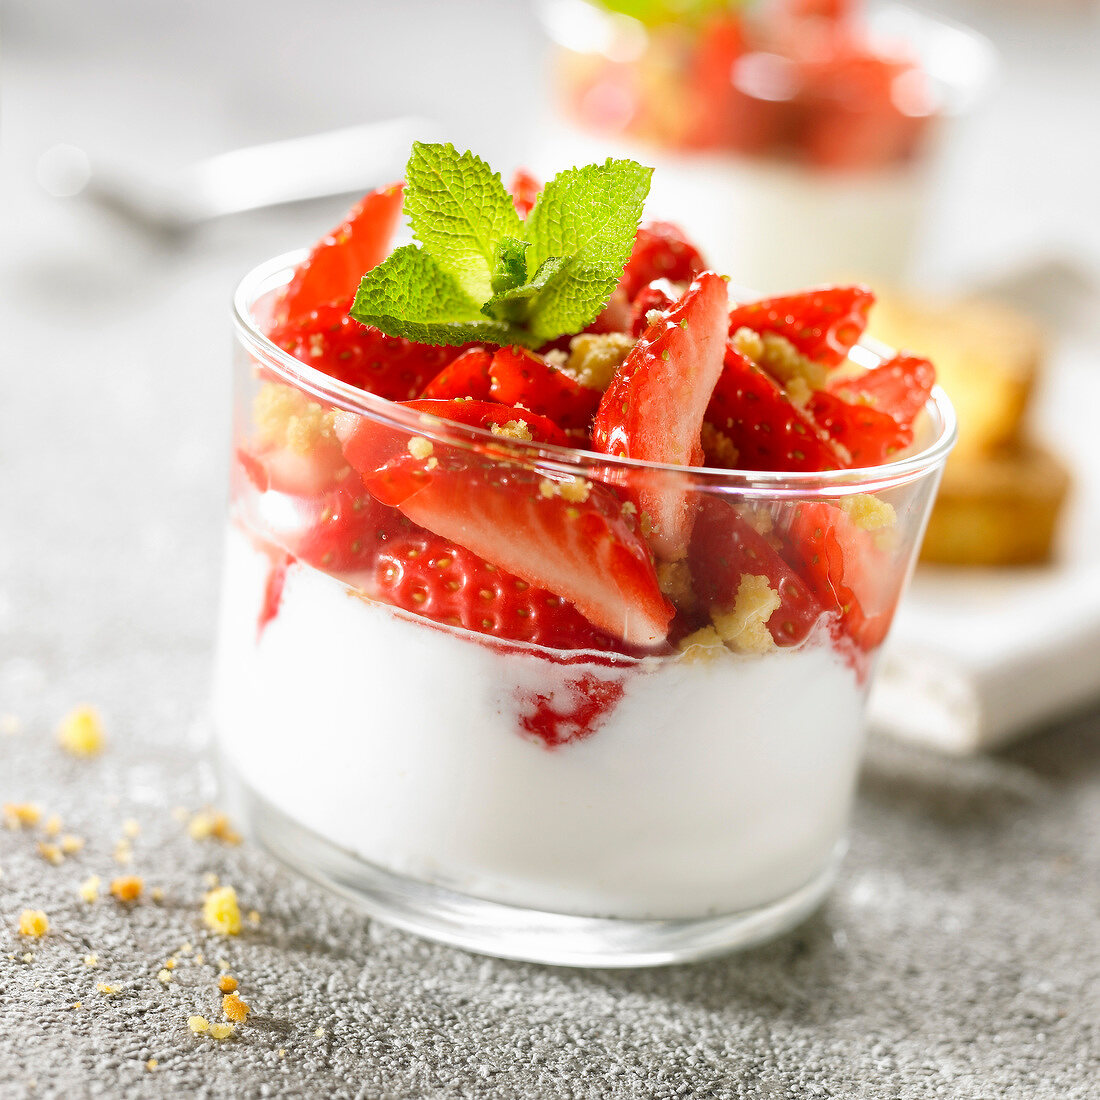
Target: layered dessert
(799, 135)
(555, 572)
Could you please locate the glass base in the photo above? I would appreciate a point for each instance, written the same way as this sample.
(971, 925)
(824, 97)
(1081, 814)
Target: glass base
(509, 931)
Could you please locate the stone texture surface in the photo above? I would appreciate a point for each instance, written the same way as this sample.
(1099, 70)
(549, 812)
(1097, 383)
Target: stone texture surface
(959, 956)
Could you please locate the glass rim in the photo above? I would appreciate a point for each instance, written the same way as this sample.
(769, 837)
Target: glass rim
(268, 276)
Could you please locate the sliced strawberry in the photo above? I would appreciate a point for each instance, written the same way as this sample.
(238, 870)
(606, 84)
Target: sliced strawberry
(661, 251)
(899, 388)
(368, 445)
(653, 296)
(389, 558)
(870, 437)
(573, 709)
(524, 189)
(823, 324)
(273, 589)
(724, 547)
(770, 433)
(390, 366)
(466, 376)
(492, 414)
(583, 549)
(653, 409)
(332, 270)
(524, 379)
(844, 567)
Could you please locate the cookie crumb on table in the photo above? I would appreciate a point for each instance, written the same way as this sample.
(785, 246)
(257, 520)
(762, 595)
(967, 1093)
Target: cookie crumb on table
(227, 983)
(127, 888)
(221, 912)
(197, 1024)
(33, 922)
(89, 889)
(18, 814)
(234, 1008)
(81, 732)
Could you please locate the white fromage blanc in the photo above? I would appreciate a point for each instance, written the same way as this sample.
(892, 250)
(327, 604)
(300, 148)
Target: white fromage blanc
(711, 787)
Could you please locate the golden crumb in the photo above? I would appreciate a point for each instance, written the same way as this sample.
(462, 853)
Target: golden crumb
(33, 922)
(170, 964)
(703, 645)
(718, 448)
(221, 912)
(749, 343)
(18, 814)
(164, 976)
(419, 447)
(319, 1032)
(131, 827)
(281, 1052)
(127, 888)
(81, 732)
(744, 627)
(869, 512)
(71, 844)
(52, 825)
(253, 917)
(197, 1024)
(123, 853)
(212, 823)
(785, 363)
(151, 1064)
(593, 358)
(200, 958)
(798, 392)
(285, 417)
(91, 961)
(234, 1008)
(574, 489)
(51, 853)
(157, 893)
(89, 889)
(185, 949)
(227, 983)
(513, 429)
(674, 580)
(105, 989)
(78, 1004)
(28, 957)
(221, 1031)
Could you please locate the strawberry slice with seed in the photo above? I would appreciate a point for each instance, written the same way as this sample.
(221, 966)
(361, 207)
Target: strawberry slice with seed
(654, 407)
(846, 570)
(868, 436)
(724, 548)
(568, 536)
(334, 266)
(661, 251)
(769, 432)
(823, 324)
(899, 387)
(466, 376)
(389, 366)
(525, 379)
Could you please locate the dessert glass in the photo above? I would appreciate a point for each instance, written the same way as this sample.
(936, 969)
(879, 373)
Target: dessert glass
(614, 805)
(780, 201)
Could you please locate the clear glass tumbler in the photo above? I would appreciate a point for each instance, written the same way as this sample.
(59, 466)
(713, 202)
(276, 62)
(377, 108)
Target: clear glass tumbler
(663, 773)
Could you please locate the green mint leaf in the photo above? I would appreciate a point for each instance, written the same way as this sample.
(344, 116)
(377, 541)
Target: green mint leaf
(570, 299)
(459, 210)
(590, 214)
(516, 304)
(409, 294)
(510, 265)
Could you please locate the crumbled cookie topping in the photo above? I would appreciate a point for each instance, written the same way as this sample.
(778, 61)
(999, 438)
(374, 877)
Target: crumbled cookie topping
(704, 645)
(674, 580)
(512, 429)
(573, 489)
(869, 512)
(593, 357)
(419, 447)
(744, 627)
(286, 417)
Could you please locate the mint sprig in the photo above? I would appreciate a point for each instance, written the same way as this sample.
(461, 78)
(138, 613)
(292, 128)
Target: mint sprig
(480, 274)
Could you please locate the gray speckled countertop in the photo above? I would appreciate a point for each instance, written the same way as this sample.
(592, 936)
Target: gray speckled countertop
(958, 957)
